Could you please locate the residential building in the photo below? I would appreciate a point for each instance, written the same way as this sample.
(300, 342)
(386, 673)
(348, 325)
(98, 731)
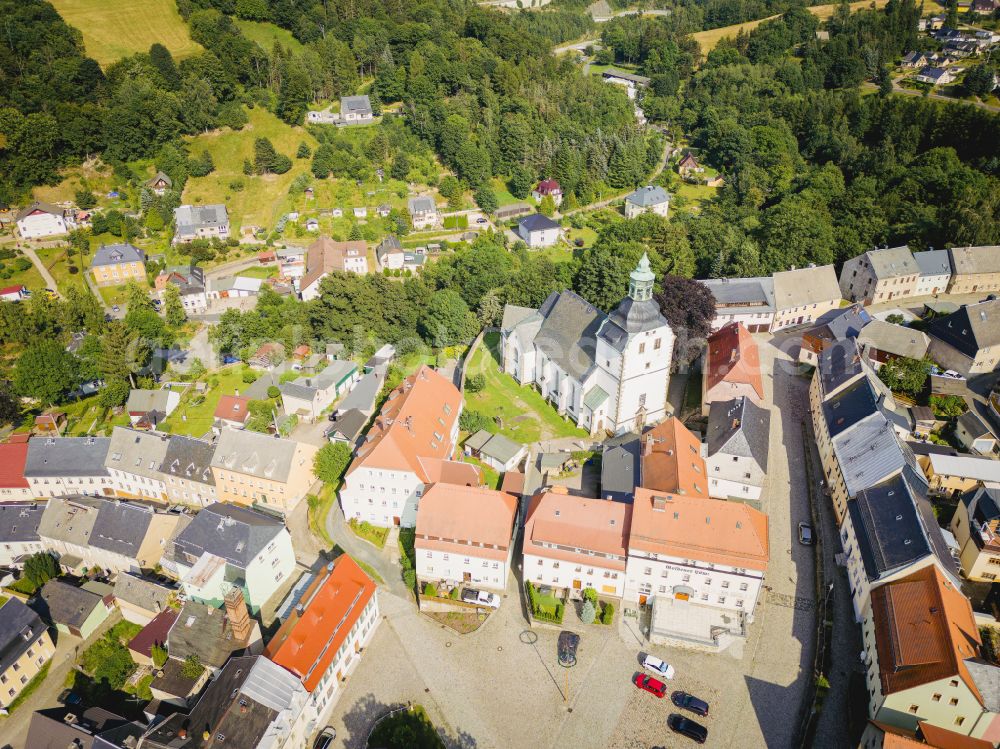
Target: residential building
(228, 546)
(321, 641)
(648, 199)
(355, 110)
(115, 264)
(935, 76)
(804, 295)
(671, 460)
(160, 183)
(935, 272)
(252, 703)
(230, 413)
(880, 275)
(411, 444)
(548, 188)
(923, 658)
(833, 326)
(700, 563)
(732, 367)
(25, 648)
(325, 256)
(19, 532)
(347, 427)
(309, 397)
(890, 531)
(79, 728)
(389, 254)
(976, 525)
(39, 220)
(13, 484)
(608, 373)
(190, 283)
(140, 599)
(214, 634)
(737, 441)
(974, 434)
(235, 287)
(630, 81)
(153, 633)
(914, 60)
(187, 471)
(133, 462)
(620, 467)
(68, 465)
(572, 543)
(50, 423)
(423, 213)
(72, 610)
(538, 230)
(464, 536)
(65, 528)
(974, 269)
(882, 342)
(498, 452)
(948, 474)
(148, 408)
(749, 301)
(16, 293)
(262, 470)
(968, 340)
(200, 222)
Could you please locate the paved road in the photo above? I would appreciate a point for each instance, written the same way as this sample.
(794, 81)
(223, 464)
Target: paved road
(380, 560)
(50, 282)
(897, 89)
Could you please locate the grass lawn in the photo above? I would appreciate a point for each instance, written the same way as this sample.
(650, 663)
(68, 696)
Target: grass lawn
(694, 193)
(195, 413)
(547, 603)
(503, 194)
(113, 295)
(319, 508)
(266, 34)
(113, 30)
(87, 416)
(56, 259)
(456, 222)
(373, 534)
(692, 392)
(588, 235)
(95, 175)
(30, 277)
(491, 479)
(262, 271)
(526, 416)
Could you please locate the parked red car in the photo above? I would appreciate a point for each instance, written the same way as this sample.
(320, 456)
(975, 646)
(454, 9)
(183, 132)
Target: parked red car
(651, 685)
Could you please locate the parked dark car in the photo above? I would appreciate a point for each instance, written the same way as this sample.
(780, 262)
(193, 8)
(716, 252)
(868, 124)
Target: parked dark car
(68, 697)
(687, 727)
(326, 738)
(568, 642)
(470, 595)
(689, 702)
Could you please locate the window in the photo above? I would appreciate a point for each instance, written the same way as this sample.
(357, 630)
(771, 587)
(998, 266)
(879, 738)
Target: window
(648, 571)
(642, 348)
(914, 709)
(953, 683)
(430, 554)
(656, 344)
(953, 701)
(959, 720)
(936, 698)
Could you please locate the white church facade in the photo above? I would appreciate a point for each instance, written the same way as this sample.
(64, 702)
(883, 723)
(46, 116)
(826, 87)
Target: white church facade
(608, 373)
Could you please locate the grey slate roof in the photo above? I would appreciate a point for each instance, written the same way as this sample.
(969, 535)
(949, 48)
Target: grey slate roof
(421, 204)
(888, 527)
(147, 401)
(66, 604)
(971, 328)
(363, 394)
(189, 218)
(848, 323)
(19, 522)
(514, 314)
(965, 260)
(349, 424)
(70, 519)
(632, 316)
(93, 728)
(360, 105)
(971, 422)
(137, 452)
(895, 339)
(739, 427)
(933, 262)
(145, 594)
(498, 447)
(255, 454)
(986, 677)
(567, 335)
(204, 631)
(537, 222)
(850, 407)
(121, 527)
(648, 196)
(236, 534)
(797, 288)
(733, 295)
(189, 459)
(307, 387)
(838, 364)
(115, 254)
(893, 262)
(17, 622)
(620, 465)
(66, 457)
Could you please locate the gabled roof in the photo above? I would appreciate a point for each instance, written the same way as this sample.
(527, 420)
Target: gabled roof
(349, 424)
(190, 218)
(234, 533)
(620, 468)
(709, 530)
(892, 262)
(495, 446)
(895, 339)
(147, 401)
(13, 456)
(137, 452)
(160, 177)
(66, 604)
(870, 453)
(971, 328)
(965, 466)
(649, 195)
(255, 454)
(307, 643)
(735, 294)
(232, 408)
(966, 260)
(933, 262)
(121, 527)
(19, 521)
(568, 332)
(850, 407)
(355, 104)
(388, 246)
(190, 459)
(838, 364)
(415, 422)
(537, 222)
(154, 633)
(70, 519)
(204, 631)
(579, 523)
(41, 206)
(798, 288)
(741, 428)
(474, 517)
(671, 460)
(548, 187)
(324, 256)
(733, 357)
(924, 631)
(115, 254)
(421, 204)
(141, 592)
(19, 626)
(972, 423)
(66, 456)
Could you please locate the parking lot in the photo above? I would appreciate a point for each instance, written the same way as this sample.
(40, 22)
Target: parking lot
(501, 686)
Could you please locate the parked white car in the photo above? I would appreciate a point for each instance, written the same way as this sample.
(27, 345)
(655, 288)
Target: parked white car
(658, 667)
(489, 599)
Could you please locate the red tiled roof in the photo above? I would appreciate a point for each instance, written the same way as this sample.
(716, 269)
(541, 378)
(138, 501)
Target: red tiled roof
(324, 255)
(547, 187)
(12, 289)
(579, 522)
(307, 643)
(733, 357)
(154, 633)
(480, 517)
(671, 460)
(232, 408)
(942, 738)
(12, 458)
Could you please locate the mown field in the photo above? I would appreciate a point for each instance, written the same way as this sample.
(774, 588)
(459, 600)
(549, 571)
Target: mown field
(113, 29)
(266, 34)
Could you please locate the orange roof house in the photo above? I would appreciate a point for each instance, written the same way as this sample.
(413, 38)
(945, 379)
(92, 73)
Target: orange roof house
(707, 530)
(732, 367)
(469, 520)
(50, 423)
(671, 460)
(232, 410)
(569, 522)
(309, 641)
(13, 456)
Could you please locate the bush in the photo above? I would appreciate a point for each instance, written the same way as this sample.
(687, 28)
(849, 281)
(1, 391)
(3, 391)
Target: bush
(237, 185)
(455, 594)
(589, 594)
(430, 590)
(559, 612)
(410, 578)
(608, 613)
(273, 392)
(475, 383)
(192, 668)
(473, 421)
(587, 613)
(249, 377)
(158, 654)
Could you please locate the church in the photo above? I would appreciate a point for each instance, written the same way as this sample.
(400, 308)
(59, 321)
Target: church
(608, 373)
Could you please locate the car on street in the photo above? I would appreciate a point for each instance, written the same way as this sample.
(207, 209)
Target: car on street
(326, 738)
(116, 308)
(687, 727)
(805, 534)
(689, 702)
(480, 220)
(649, 684)
(568, 642)
(662, 668)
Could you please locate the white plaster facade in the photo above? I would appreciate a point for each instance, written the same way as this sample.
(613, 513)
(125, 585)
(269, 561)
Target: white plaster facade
(730, 588)
(734, 476)
(470, 569)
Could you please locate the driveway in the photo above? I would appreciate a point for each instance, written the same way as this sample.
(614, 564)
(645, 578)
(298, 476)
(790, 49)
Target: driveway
(50, 282)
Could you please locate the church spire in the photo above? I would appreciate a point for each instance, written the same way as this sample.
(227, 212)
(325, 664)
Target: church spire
(640, 287)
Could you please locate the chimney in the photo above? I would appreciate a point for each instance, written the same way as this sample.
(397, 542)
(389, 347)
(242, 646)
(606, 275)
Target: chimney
(239, 617)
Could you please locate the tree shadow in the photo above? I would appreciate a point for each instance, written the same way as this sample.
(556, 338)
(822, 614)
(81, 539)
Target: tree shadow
(361, 719)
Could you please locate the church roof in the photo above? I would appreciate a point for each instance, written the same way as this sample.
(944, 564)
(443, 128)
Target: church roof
(637, 316)
(568, 334)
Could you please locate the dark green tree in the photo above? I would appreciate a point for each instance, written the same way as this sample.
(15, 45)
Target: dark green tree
(46, 371)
